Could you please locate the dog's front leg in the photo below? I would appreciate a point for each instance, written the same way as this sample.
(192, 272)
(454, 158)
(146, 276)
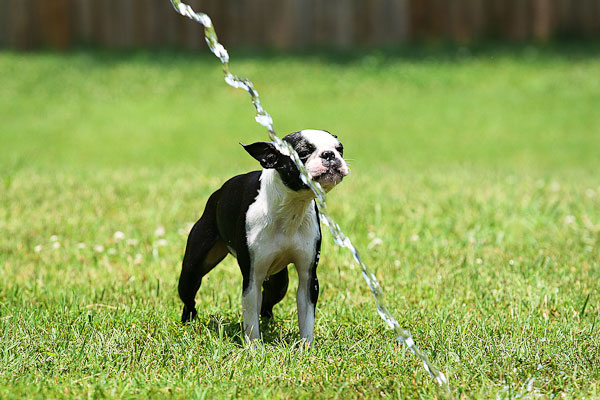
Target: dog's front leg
(306, 300)
(251, 302)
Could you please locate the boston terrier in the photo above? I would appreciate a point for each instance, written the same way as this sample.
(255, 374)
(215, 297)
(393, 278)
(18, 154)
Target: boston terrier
(266, 219)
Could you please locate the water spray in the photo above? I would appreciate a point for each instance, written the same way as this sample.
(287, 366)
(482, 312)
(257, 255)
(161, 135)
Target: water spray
(264, 119)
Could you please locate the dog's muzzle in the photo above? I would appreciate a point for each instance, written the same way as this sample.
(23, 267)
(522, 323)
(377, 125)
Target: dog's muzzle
(332, 172)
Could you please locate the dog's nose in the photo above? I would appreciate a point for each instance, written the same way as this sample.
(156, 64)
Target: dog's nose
(328, 155)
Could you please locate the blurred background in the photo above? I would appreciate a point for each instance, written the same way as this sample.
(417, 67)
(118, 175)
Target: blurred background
(291, 24)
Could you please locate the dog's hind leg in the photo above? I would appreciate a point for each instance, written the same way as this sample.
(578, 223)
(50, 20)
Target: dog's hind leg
(274, 290)
(204, 250)
(192, 272)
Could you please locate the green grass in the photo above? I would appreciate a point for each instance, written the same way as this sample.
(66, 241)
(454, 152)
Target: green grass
(476, 168)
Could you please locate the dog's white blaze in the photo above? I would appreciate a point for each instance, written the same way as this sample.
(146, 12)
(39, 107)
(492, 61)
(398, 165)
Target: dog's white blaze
(281, 228)
(322, 140)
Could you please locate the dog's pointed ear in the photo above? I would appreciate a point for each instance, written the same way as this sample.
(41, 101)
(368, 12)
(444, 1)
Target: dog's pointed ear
(264, 152)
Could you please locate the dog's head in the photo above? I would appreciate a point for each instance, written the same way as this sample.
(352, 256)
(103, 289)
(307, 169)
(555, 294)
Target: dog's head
(320, 151)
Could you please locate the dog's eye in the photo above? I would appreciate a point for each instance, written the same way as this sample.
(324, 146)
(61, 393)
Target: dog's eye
(304, 154)
(340, 150)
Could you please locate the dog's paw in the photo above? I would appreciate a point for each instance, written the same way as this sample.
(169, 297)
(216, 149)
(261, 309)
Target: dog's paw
(266, 313)
(188, 314)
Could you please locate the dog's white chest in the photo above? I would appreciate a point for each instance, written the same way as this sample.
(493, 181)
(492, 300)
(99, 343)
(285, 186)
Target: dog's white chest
(280, 229)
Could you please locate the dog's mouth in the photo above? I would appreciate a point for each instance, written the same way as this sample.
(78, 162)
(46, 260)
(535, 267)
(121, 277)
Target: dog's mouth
(330, 177)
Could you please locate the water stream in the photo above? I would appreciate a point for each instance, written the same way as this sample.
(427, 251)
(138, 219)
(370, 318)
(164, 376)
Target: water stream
(263, 118)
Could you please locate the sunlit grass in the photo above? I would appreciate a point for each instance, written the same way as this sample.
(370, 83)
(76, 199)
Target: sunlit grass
(473, 195)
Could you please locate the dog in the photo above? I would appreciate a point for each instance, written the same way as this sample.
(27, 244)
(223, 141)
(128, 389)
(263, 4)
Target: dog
(266, 219)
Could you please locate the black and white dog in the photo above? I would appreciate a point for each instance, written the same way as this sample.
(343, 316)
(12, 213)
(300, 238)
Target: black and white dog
(266, 219)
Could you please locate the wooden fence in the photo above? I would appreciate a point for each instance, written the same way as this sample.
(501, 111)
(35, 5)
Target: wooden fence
(290, 24)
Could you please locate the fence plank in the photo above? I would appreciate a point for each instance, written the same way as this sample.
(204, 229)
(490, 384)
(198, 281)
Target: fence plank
(596, 18)
(4, 21)
(393, 18)
(125, 19)
(191, 33)
(54, 23)
(416, 18)
(218, 9)
(371, 26)
(96, 28)
(304, 23)
(140, 23)
(24, 24)
(81, 24)
(170, 22)
(455, 20)
(542, 19)
(322, 23)
(106, 23)
(279, 26)
(437, 18)
(567, 20)
(400, 13)
(342, 23)
(154, 31)
(477, 19)
(233, 16)
(252, 30)
(586, 13)
(518, 18)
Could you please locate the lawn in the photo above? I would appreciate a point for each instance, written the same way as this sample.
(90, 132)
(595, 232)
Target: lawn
(474, 196)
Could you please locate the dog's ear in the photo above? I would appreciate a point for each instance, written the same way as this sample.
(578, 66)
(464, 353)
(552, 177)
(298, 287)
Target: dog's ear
(264, 152)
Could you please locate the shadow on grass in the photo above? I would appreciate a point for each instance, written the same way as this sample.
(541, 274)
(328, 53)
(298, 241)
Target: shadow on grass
(230, 328)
